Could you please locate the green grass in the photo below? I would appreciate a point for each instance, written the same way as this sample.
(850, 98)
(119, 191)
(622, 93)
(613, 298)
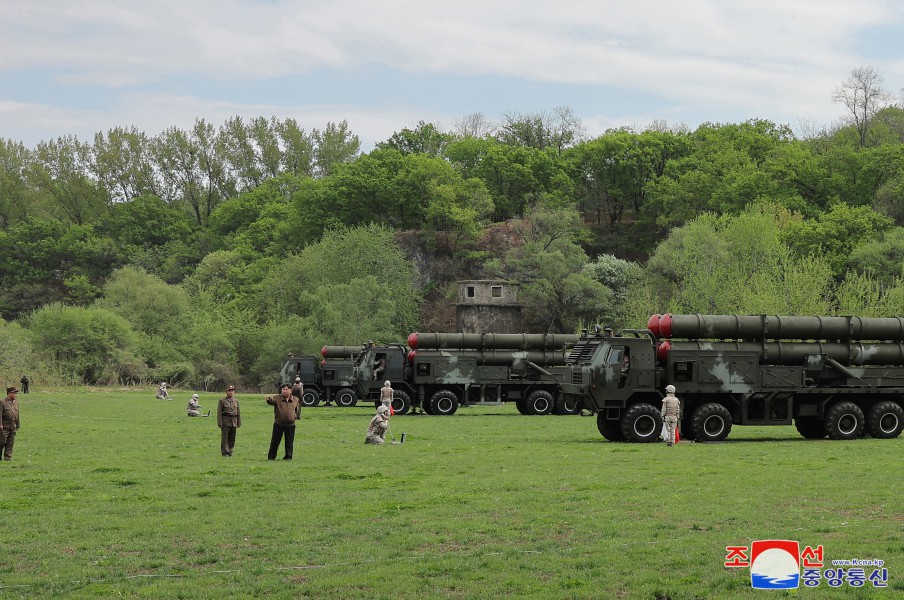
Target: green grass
(114, 493)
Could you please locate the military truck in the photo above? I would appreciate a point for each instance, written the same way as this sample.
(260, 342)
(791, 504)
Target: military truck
(331, 379)
(835, 377)
(438, 372)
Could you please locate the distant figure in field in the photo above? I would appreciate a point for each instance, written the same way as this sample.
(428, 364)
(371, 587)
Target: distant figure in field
(376, 431)
(194, 407)
(229, 419)
(671, 412)
(386, 394)
(286, 410)
(162, 393)
(9, 422)
(25, 381)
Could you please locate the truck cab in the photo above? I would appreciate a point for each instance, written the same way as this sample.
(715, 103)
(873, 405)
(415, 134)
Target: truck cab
(378, 364)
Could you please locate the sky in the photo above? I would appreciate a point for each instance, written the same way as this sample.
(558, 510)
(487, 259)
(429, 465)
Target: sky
(77, 67)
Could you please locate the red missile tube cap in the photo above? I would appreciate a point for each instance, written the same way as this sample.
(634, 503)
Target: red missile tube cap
(665, 326)
(323, 351)
(412, 341)
(411, 356)
(653, 325)
(662, 352)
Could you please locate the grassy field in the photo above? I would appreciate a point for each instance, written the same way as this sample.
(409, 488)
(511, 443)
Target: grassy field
(115, 494)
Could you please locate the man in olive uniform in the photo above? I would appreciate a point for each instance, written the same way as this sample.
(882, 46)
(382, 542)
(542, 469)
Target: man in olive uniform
(286, 410)
(9, 422)
(671, 411)
(229, 419)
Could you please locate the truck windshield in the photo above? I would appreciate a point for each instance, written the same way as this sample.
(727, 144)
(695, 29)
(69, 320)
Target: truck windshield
(615, 355)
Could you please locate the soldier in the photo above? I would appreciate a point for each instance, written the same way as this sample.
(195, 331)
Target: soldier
(194, 407)
(9, 422)
(229, 419)
(386, 393)
(376, 431)
(286, 410)
(25, 381)
(298, 389)
(162, 393)
(671, 412)
(379, 367)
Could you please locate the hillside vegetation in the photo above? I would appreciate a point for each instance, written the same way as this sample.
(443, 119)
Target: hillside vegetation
(203, 256)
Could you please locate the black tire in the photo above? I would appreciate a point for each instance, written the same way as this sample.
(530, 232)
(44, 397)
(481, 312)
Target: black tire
(521, 404)
(540, 402)
(401, 402)
(711, 423)
(310, 398)
(443, 403)
(641, 423)
(885, 420)
(568, 405)
(609, 429)
(810, 427)
(844, 421)
(345, 397)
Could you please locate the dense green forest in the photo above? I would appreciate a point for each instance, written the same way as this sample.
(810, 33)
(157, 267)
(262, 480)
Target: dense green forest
(203, 256)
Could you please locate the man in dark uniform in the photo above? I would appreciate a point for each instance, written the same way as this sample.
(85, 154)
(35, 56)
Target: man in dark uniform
(229, 419)
(286, 410)
(9, 422)
(25, 381)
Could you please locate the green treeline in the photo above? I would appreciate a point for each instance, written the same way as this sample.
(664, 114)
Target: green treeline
(203, 256)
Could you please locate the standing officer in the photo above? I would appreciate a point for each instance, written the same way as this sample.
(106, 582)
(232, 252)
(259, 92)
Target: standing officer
(9, 422)
(286, 410)
(229, 419)
(671, 411)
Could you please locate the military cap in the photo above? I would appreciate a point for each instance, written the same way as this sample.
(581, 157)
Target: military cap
(230, 388)
(12, 390)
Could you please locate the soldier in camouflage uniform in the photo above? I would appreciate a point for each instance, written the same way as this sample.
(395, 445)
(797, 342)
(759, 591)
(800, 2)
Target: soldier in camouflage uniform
(229, 419)
(671, 412)
(194, 407)
(9, 422)
(386, 393)
(376, 431)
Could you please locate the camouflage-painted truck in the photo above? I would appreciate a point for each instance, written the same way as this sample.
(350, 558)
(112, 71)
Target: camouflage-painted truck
(438, 372)
(836, 377)
(330, 380)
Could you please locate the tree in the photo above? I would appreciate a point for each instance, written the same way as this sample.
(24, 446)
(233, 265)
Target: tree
(474, 125)
(863, 96)
(15, 192)
(123, 165)
(60, 170)
(425, 138)
(149, 304)
(541, 130)
(333, 146)
(193, 168)
(92, 344)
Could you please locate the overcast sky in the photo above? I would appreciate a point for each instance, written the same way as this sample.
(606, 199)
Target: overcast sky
(82, 66)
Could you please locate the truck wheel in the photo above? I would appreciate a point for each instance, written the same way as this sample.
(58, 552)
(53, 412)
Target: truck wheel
(568, 405)
(885, 420)
(521, 404)
(810, 427)
(540, 402)
(609, 429)
(310, 398)
(641, 423)
(401, 402)
(844, 421)
(711, 423)
(346, 397)
(443, 403)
